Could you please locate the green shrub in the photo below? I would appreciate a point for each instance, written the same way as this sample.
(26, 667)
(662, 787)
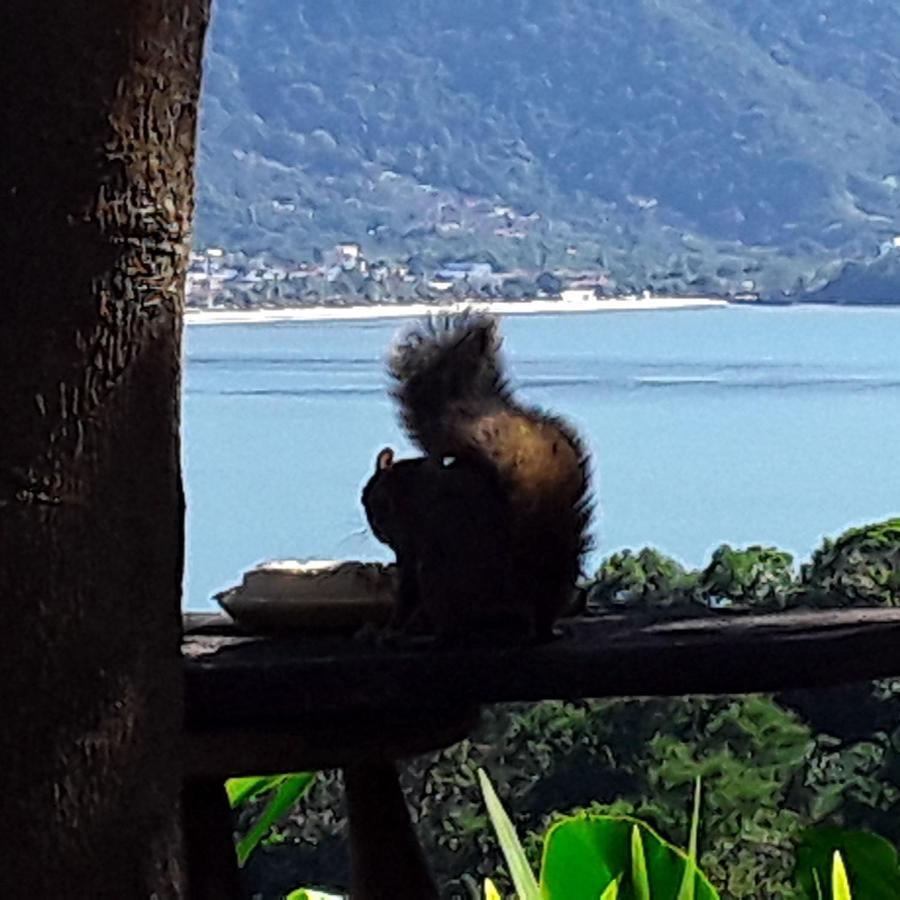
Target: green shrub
(859, 568)
(646, 579)
(755, 576)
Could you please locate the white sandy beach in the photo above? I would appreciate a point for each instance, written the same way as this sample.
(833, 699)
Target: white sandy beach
(412, 310)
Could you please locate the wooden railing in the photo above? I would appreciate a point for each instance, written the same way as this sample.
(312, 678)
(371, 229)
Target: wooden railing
(258, 704)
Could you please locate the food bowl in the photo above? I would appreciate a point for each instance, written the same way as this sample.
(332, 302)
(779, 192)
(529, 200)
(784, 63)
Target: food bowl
(312, 595)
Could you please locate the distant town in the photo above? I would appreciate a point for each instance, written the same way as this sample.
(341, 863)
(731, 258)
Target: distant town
(342, 276)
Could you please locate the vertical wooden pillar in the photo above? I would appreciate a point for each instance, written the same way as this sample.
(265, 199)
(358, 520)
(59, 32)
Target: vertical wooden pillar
(100, 106)
(386, 859)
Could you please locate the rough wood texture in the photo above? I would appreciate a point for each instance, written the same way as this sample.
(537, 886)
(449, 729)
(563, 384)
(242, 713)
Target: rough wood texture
(320, 742)
(242, 680)
(97, 186)
(213, 872)
(385, 857)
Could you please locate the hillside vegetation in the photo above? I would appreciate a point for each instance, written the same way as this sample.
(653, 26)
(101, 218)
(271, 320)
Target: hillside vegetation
(685, 144)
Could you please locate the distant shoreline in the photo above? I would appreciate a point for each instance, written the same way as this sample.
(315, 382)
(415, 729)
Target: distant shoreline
(413, 310)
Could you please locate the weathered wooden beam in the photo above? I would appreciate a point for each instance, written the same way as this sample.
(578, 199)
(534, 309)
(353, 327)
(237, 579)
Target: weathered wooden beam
(247, 681)
(321, 742)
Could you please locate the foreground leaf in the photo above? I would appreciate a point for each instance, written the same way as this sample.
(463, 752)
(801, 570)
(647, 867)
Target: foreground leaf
(640, 882)
(870, 864)
(840, 887)
(817, 883)
(519, 870)
(307, 894)
(242, 790)
(287, 793)
(686, 891)
(585, 854)
(612, 892)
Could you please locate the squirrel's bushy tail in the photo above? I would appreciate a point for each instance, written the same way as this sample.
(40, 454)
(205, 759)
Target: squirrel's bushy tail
(446, 371)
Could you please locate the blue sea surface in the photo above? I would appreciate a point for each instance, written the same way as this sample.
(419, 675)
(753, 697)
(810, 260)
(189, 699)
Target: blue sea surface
(739, 425)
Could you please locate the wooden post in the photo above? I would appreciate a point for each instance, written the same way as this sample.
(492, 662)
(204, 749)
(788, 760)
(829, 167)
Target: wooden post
(209, 841)
(100, 109)
(386, 859)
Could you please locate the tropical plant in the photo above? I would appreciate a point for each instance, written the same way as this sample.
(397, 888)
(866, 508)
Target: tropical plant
(832, 860)
(611, 857)
(277, 795)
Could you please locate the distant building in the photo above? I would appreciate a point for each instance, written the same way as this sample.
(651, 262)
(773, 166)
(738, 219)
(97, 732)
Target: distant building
(206, 261)
(346, 256)
(457, 271)
(350, 252)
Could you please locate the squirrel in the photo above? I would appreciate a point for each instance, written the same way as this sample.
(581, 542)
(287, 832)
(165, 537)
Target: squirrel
(489, 526)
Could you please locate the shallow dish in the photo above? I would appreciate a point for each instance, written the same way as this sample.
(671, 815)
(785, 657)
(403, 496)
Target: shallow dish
(312, 595)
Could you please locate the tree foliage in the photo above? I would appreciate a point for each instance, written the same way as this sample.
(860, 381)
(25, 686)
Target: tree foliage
(859, 568)
(756, 576)
(645, 579)
(686, 149)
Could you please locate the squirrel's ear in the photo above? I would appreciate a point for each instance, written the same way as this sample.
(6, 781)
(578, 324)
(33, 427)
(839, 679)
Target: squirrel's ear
(385, 459)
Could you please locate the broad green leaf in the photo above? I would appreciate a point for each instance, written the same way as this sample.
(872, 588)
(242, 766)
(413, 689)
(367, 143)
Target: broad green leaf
(490, 890)
(640, 883)
(519, 870)
(840, 887)
(584, 854)
(870, 862)
(240, 790)
(288, 791)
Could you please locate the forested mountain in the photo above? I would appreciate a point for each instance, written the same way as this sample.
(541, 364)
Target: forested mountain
(685, 143)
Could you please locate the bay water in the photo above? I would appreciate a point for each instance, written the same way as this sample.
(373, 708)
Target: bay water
(740, 425)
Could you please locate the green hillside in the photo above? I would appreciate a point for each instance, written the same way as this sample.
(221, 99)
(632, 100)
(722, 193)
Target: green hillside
(684, 144)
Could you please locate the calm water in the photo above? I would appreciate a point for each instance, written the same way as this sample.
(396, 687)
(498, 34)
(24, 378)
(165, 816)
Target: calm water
(738, 425)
